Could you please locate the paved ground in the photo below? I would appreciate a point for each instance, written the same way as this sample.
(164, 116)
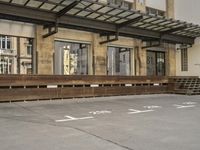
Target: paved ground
(152, 122)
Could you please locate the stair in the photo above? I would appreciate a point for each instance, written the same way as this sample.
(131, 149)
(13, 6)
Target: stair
(187, 85)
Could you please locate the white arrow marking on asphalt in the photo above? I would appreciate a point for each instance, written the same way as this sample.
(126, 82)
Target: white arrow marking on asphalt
(152, 107)
(100, 112)
(70, 118)
(134, 111)
(189, 103)
(183, 106)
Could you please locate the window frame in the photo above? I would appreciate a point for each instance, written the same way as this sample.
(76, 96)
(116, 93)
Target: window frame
(184, 59)
(4, 40)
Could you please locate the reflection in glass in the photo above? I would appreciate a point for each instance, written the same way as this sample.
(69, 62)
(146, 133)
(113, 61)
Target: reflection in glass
(15, 55)
(71, 58)
(118, 61)
(155, 63)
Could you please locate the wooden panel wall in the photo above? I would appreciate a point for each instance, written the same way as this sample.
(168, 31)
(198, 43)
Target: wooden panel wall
(40, 87)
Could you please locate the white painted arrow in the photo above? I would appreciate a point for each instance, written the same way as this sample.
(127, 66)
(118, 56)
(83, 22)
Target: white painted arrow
(183, 106)
(70, 118)
(134, 111)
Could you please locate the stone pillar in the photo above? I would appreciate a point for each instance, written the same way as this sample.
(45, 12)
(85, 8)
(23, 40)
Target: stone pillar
(45, 51)
(140, 54)
(140, 58)
(170, 8)
(171, 60)
(100, 55)
(171, 49)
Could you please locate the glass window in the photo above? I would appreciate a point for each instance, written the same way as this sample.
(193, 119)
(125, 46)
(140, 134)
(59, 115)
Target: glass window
(141, 1)
(12, 59)
(118, 61)
(71, 58)
(5, 42)
(6, 65)
(127, 5)
(8, 43)
(154, 11)
(160, 63)
(184, 59)
(29, 46)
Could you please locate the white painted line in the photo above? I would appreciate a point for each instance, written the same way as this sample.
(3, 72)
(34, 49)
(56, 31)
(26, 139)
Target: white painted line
(94, 85)
(52, 86)
(128, 85)
(183, 106)
(134, 111)
(189, 103)
(156, 84)
(152, 107)
(100, 112)
(70, 118)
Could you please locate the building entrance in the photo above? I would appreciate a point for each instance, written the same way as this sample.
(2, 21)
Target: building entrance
(118, 61)
(71, 58)
(155, 63)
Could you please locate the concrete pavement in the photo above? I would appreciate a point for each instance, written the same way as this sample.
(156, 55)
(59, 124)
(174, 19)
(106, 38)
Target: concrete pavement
(145, 122)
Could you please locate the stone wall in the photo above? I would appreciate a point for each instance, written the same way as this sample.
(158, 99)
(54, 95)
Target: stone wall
(97, 53)
(45, 49)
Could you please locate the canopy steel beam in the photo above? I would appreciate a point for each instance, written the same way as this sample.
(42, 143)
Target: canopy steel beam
(109, 39)
(129, 22)
(174, 30)
(53, 29)
(183, 46)
(67, 8)
(38, 16)
(152, 45)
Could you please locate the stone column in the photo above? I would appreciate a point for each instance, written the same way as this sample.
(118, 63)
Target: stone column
(171, 60)
(170, 8)
(45, 51)
(100, 55)
(171, 48)
(140, 57)
(140, 54)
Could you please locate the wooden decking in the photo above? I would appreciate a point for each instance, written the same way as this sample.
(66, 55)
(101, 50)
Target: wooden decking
(41, 87)
(186, 85)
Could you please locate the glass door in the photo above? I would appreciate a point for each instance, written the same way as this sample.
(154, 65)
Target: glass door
(155, 63)
(160, 64)
(151, 63)
(71, 58)
(118, 61)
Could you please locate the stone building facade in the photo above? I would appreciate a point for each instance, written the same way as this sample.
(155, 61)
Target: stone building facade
(75, 52)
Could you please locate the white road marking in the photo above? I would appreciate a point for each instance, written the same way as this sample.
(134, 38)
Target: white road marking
(70, 118)
(189, 103)
(152, 107)
(134, 111)
(100, 112)
(183, 106)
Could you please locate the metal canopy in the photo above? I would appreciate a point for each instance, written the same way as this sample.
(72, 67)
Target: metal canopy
(103, 18)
